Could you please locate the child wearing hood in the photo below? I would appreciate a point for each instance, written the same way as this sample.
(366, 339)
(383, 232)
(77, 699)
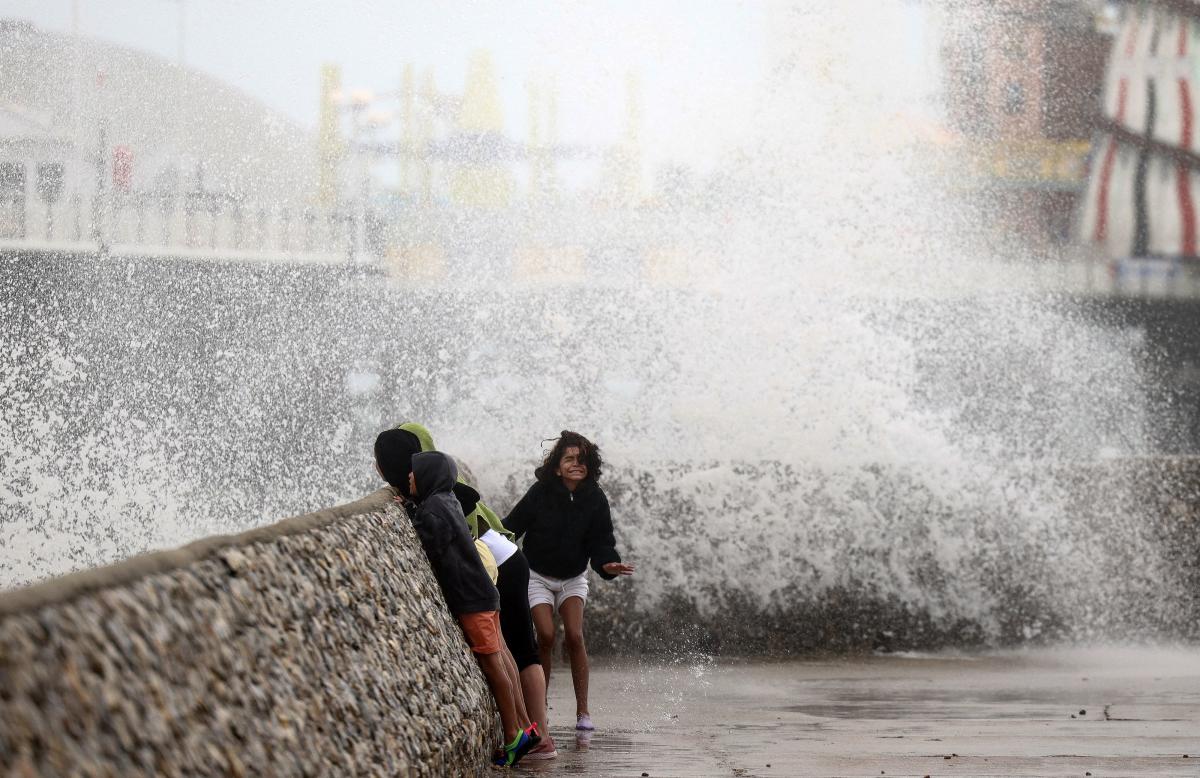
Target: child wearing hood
(516, 625)
(470, 595)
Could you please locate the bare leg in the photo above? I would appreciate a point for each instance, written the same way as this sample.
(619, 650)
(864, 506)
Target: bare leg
(572, 615)
(514, 680)
(533, 683)
(543, 624)
(497, 678)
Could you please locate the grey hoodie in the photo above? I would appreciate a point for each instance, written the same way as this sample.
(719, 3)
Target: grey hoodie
(442, 529)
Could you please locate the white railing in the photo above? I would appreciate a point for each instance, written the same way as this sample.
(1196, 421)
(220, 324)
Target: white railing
(192, 225)
(211, 227)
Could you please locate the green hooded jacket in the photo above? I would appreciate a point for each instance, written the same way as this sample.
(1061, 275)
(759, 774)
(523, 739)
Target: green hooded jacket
(481, 512)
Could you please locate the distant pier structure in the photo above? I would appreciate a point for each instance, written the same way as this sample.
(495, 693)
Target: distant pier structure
(147, 158)
(142, 156)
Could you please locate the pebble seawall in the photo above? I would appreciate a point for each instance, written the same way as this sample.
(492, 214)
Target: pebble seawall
(316, 646)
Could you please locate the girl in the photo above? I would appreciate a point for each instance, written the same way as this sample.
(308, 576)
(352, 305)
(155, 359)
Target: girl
(565, 521)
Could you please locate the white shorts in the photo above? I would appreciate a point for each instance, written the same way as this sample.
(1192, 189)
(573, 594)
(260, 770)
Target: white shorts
(544, 590)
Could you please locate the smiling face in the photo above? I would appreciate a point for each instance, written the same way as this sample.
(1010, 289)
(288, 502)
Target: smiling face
(572, 468)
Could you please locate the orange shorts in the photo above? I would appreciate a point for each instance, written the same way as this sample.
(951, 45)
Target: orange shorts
(482, 631)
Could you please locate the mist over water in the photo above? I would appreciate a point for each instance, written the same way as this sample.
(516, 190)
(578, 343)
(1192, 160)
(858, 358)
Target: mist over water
(838, 392)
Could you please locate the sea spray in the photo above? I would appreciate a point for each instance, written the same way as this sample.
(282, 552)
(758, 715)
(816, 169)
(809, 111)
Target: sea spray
(833, 418)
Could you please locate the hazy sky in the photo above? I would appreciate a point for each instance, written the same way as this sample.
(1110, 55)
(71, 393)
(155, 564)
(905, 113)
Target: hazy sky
(699, 63)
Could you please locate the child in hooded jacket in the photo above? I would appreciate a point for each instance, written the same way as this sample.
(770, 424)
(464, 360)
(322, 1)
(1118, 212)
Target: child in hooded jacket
(469, 593)
(516, 625)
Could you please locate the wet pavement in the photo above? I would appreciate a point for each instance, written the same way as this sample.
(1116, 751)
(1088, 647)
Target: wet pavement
(1063, 712)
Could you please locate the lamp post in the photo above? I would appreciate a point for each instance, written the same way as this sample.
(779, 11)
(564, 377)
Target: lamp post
(101, 202)
(182, 31)
(76, 104)
(359, 100)
(362, 122)
(177, 131)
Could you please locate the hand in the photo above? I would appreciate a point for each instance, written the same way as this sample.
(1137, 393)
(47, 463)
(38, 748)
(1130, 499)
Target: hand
(618, 568)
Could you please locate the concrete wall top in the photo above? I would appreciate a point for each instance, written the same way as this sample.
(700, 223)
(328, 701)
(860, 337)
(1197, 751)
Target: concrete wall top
(320, 645)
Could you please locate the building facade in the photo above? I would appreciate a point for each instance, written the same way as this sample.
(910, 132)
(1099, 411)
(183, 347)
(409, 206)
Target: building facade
(1141, 199)
(1023, 83)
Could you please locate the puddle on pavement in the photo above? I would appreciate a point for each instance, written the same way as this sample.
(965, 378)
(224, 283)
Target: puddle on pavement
(605, 753)
(941, 710)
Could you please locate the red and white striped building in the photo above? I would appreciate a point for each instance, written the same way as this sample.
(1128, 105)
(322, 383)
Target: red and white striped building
(1144, 179)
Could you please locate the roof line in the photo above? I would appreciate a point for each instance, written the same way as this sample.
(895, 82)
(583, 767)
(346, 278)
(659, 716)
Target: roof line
(1187, 7)
(1124, 135)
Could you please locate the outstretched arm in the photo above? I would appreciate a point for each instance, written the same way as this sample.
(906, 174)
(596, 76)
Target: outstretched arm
(602, 546)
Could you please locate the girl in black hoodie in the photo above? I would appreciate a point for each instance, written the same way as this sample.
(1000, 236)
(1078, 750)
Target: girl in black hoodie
(565, 522)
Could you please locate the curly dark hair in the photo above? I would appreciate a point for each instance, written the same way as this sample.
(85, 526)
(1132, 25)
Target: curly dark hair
(566, 439)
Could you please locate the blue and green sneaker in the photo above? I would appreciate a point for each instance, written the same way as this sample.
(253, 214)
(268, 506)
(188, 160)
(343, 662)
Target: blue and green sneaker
(514, 751)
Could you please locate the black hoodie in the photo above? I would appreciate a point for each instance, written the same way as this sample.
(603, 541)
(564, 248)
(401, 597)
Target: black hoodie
(564, 529)
(439, 523)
